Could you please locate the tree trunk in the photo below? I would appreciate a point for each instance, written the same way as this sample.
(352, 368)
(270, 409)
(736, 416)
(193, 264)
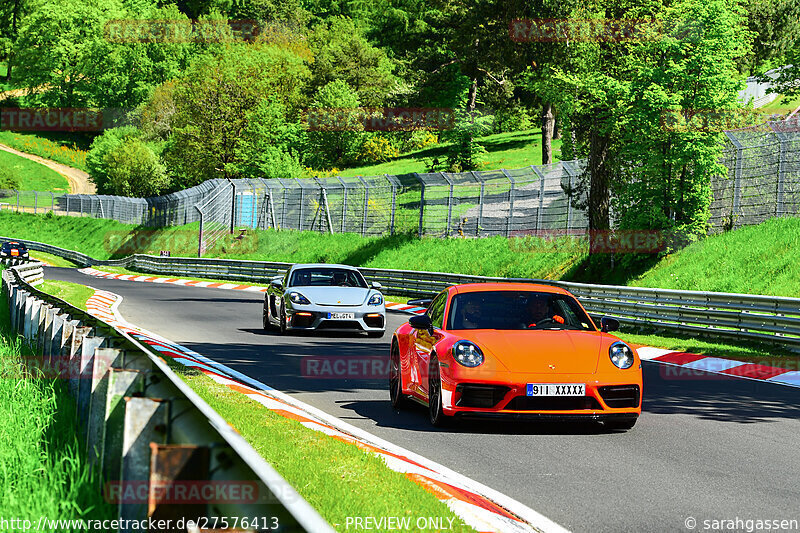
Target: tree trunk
(556, 128)
(599, 188)
(473, 95)
(548, 123)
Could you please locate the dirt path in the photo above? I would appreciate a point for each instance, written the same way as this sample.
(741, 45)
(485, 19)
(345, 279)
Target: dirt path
(78, 179)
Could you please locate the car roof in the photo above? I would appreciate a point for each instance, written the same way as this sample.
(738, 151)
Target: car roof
(507, 286)
(322, 265)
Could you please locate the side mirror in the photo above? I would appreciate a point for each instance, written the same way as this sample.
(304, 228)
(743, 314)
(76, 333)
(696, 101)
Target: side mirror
(420, 322)
(376, 285)
(276, 283)
(608, 323)
(421, 302)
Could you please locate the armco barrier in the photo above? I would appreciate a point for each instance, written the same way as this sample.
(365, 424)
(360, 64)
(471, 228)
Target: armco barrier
(146, 430)
(772, 319)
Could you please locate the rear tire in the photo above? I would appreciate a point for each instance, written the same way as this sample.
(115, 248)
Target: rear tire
(399, 400)
(435, 412)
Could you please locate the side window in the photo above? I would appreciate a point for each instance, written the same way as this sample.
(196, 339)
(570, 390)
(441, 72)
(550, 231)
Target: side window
(436, 310)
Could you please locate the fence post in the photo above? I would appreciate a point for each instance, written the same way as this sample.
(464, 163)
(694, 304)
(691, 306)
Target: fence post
(200, 234)
(566, 168)
(737, 177)
(16, 191)
(366, 206)
(394, 203)
(449, 203)
(233, 204)
(421, 203)
(539, 211)
(344, 202)
(781, 174)
(302, 201)
(35, 200)
(66, 197)
(511, 192)
(480, 203)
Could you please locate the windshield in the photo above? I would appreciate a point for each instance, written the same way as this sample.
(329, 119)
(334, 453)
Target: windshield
(507, 310)
(327, 277)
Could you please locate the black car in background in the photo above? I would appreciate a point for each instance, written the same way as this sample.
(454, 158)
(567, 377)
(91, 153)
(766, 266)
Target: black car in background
(13, 249)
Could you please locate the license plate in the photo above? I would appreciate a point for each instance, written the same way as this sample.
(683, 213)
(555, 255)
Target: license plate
(15, 253)
(556, 389)
(342, 316)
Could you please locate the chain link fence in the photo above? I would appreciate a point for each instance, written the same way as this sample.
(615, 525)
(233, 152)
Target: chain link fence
(763, 176)
(763, 181)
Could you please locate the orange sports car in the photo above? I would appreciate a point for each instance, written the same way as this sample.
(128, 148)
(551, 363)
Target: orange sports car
(518, 350)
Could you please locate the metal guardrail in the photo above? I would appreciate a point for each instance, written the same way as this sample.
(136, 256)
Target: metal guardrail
(772, 319)
(145, 429)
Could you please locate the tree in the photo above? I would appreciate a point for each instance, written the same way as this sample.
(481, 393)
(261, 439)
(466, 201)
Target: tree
(135, 170)
(336, 140)
(220, 97)
(57, 46)
(96, 161)
(342, 53)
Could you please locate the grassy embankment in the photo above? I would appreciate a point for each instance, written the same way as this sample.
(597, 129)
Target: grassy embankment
(42, 471)
(33, 176)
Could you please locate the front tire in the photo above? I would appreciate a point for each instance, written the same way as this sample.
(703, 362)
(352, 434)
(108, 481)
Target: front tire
(399, 400)
(283, 321)
(435, 412)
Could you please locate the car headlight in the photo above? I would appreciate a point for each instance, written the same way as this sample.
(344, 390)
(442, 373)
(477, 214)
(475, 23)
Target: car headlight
(298, 298)
(621, 355)
(467, 354)
(375, 299)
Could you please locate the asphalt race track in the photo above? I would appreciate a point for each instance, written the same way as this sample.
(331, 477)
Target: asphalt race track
(711, 449)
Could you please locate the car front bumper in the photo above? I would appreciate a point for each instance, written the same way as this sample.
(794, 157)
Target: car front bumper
(365, 318)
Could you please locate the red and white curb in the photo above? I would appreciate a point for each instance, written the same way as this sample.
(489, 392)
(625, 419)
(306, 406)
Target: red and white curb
(717, 365)
(405, 308)
(477, 505)
(173, 281)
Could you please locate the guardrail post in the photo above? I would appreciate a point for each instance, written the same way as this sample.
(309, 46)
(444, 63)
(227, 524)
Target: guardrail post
(79, 334)
(31, 318)
(104, 359)
(146, 420)
(121, 383)
(46, 338)
(85, 371)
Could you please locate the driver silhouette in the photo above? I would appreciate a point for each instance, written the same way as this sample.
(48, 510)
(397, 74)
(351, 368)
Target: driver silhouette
(537, 311)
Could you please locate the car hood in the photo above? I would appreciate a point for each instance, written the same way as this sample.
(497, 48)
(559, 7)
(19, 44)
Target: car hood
(333, 295)
(542, 351)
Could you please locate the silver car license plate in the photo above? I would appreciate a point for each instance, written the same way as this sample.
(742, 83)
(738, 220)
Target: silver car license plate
(342, 316)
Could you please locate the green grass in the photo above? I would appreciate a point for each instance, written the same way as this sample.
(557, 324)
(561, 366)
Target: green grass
(42, 471)
(784, 104)
(73, 293)
(504, 150)
(65, 148)
(51, 260)
(758, 259)
(33, 176)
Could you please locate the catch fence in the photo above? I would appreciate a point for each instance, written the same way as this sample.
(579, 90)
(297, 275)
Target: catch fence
(763, 181)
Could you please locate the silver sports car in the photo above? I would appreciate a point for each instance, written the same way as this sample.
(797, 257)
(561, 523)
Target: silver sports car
(331, 297)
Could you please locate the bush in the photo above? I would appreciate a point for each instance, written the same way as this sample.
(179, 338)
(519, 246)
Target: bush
(377, 149)
(419, 139)
(106, 143)
(135, 170)
(337, 140)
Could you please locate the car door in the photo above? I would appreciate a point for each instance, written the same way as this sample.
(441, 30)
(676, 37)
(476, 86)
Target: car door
(423, 344)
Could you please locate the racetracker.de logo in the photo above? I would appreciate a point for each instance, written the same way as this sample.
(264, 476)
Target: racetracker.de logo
(380, 118)
(129, 31)
(330, 367)
(59, 119)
